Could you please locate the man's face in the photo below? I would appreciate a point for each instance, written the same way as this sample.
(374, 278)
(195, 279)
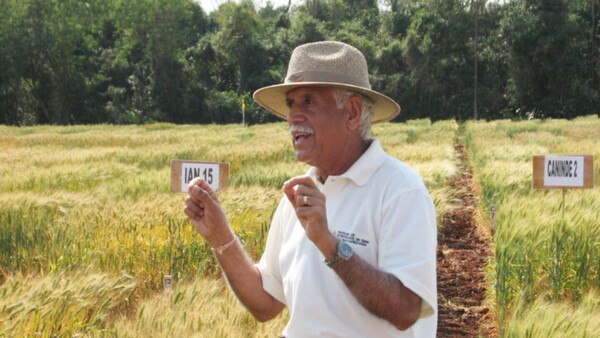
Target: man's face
(317, 126)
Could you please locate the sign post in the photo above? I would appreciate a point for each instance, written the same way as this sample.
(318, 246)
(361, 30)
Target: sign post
(213, 173)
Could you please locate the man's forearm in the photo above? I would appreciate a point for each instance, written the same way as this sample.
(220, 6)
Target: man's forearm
(245, 281)
(380, 293)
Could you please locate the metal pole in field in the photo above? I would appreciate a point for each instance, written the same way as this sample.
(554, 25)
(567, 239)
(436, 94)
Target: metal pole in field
(167, 284)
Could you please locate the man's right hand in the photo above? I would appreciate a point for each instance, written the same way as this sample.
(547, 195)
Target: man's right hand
(203, 209)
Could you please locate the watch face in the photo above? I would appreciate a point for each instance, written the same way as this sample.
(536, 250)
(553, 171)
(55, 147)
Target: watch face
(345, 250)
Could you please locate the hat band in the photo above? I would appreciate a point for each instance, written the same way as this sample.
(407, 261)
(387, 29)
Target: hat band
(326, 77)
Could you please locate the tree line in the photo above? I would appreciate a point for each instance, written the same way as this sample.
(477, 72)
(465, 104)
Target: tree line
(121, 61)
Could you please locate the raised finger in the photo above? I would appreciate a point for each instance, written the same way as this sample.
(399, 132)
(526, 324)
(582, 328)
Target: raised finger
(297, 186)
(200, 196)
(198, 181)
(299, 180)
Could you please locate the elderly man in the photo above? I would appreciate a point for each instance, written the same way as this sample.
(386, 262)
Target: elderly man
(351, 248)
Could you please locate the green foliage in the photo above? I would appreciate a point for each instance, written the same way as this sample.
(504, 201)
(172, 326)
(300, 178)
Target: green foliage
(549, 58)
(130, 62)
(439, 64)
(547, 245)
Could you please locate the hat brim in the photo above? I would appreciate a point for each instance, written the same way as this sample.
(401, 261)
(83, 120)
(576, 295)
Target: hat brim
(272, 98)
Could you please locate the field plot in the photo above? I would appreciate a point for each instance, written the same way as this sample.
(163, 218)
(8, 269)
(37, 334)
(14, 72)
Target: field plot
(88, 228)
(547, 253)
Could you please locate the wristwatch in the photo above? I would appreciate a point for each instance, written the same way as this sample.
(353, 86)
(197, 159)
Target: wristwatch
(344, 252)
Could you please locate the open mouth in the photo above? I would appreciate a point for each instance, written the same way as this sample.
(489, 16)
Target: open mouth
(300, 133)
(301, 136)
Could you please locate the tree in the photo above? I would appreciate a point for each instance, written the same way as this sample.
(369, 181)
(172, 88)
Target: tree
(155, 36)
(492, 66)
(50, 43)
(544, 60)
(439, 62)
(119, 61)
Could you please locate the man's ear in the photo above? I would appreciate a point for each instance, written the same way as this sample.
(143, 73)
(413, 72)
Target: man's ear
(353, 112)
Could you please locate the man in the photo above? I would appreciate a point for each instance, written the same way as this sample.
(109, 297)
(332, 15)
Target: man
(351, 248)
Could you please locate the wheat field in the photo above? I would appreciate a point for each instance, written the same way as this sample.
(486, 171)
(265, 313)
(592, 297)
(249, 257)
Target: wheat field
(89, 229)
(546, 268)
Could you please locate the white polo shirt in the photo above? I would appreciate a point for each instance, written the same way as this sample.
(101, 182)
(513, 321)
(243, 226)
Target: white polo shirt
(383, 210)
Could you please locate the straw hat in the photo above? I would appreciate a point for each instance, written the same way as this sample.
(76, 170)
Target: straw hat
(331, 64)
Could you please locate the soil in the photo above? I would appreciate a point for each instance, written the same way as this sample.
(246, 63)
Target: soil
(464, 248)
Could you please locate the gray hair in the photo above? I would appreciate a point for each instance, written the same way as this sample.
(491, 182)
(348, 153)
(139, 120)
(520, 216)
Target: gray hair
(342, 96)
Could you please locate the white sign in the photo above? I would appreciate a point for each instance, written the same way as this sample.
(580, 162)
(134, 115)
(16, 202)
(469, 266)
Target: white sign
(563, 171)
(209, 172)
(216, 174)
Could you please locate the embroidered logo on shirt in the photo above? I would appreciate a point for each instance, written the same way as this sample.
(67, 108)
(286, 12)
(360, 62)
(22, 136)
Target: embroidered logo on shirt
(351, 238)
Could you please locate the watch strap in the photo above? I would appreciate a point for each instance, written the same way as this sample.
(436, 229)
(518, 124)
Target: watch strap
(335, 261)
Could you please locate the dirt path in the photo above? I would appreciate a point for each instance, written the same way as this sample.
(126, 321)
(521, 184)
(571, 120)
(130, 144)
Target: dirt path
(462, 254)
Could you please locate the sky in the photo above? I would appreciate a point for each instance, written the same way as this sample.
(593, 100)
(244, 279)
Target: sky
(210, 5)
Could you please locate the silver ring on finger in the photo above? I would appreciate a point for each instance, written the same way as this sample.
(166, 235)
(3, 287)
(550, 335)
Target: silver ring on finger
(305, 200)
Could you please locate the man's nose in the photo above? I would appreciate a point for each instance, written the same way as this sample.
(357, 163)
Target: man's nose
(295, 114)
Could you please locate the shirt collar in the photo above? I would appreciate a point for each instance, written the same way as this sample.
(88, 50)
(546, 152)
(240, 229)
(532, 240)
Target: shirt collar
(362, 169)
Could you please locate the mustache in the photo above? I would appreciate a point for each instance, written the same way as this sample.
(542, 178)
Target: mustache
(297, 128)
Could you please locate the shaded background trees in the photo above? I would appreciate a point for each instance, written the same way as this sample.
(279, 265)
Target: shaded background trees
(118, 61)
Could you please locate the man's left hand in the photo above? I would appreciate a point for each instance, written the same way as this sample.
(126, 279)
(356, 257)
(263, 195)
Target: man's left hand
(309, 204)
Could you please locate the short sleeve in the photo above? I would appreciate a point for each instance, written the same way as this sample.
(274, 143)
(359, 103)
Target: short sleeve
(408, 241)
